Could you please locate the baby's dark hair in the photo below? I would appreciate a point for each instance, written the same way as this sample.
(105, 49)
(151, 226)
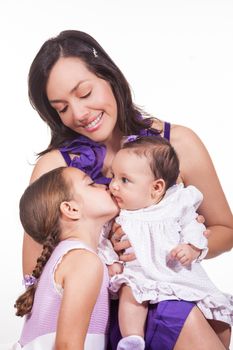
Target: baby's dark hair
(39, 209)
(162, 157)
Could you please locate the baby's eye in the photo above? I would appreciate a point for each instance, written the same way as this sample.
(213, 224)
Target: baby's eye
(124, 180)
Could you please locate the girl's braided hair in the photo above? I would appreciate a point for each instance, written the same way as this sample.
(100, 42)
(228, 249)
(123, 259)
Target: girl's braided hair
(39, 214)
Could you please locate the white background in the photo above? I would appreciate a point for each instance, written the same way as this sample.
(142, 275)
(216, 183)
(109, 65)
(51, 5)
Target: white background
(176, 54)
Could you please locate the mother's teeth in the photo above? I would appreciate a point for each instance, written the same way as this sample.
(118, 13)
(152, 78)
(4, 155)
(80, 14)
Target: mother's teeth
(94, 122)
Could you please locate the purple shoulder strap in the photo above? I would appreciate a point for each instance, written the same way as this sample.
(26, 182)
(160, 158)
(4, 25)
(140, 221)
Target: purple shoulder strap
(167, 128)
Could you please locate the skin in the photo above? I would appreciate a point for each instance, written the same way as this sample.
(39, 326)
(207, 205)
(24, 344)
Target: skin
(133, 184)
(81, 220)
(82, 99)
(78, 298)
(199, 172)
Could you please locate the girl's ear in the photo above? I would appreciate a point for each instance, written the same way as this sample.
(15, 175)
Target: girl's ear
(71, 210)
(158, 188)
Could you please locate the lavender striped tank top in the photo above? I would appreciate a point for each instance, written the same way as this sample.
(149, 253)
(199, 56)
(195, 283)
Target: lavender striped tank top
(45, 310)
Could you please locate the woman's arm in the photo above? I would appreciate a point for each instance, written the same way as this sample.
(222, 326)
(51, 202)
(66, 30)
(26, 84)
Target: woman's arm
(196, 168)
(81, 288)
(31, 249)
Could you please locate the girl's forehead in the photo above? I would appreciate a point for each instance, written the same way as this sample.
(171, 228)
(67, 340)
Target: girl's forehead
(75, 174)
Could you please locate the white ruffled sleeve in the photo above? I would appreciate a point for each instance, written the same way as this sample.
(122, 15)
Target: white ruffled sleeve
(191, 229)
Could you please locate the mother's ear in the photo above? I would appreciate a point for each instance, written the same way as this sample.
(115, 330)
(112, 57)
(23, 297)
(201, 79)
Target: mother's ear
(71, 210)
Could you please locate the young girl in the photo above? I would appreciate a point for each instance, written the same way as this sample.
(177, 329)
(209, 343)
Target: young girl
(66, 302)
(158, 217)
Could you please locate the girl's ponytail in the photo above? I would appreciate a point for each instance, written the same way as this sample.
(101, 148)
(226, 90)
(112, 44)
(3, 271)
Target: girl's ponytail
(24, 303)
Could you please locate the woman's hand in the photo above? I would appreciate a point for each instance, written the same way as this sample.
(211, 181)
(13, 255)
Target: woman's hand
(201, 220)
(115, 269)
(120, 245)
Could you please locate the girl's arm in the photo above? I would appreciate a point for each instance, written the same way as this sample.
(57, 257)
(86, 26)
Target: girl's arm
(83, 275)
(196, 168)
(31, 249)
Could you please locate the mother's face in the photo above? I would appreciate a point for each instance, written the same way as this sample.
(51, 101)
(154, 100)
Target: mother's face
(84, 102)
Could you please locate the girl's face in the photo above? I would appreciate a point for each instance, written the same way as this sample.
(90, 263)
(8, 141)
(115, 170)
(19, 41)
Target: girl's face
(95, 200)
(84, 102)
(132, 183)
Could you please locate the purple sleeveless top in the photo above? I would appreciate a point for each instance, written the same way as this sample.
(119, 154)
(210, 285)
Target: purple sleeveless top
(91, 154)
(43, 317)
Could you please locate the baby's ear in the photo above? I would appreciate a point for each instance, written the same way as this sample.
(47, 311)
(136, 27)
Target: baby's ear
(70, 210)
(158, 188)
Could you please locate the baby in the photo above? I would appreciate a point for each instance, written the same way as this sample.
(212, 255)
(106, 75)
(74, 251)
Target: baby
(158, 217)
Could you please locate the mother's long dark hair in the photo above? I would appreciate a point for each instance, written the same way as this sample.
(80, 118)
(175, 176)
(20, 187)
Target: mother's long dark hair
(73, 43)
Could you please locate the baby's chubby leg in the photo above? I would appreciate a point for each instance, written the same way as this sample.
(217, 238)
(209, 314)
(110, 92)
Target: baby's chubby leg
(132, 319)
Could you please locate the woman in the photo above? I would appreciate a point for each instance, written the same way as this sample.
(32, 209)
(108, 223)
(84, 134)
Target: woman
(83, 97)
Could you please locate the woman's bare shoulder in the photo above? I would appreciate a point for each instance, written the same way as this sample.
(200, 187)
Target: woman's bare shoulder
(179, 135)
(47, 162)
(182, 134)
(188, 145)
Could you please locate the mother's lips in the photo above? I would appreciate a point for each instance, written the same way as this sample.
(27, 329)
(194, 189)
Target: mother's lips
(90, 123)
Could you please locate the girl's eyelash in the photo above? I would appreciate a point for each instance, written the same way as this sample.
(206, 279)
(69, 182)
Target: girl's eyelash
(63, 110)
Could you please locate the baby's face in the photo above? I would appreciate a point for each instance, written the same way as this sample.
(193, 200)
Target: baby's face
(132, 181)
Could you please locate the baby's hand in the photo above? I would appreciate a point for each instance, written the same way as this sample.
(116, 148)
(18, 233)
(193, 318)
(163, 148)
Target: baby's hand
(115, 269)
(185, 253)
(119, 244)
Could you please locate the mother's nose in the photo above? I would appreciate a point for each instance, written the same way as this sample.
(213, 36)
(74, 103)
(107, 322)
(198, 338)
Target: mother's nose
(80, 112)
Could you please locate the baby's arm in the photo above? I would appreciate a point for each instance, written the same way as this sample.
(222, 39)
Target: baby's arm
(83, 275)
(193, 244)
(185, 253)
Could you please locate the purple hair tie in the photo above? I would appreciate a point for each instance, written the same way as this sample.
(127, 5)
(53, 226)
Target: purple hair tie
(131, 138)
(29, 280)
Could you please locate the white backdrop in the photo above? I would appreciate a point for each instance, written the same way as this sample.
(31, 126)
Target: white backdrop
(176, 54)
